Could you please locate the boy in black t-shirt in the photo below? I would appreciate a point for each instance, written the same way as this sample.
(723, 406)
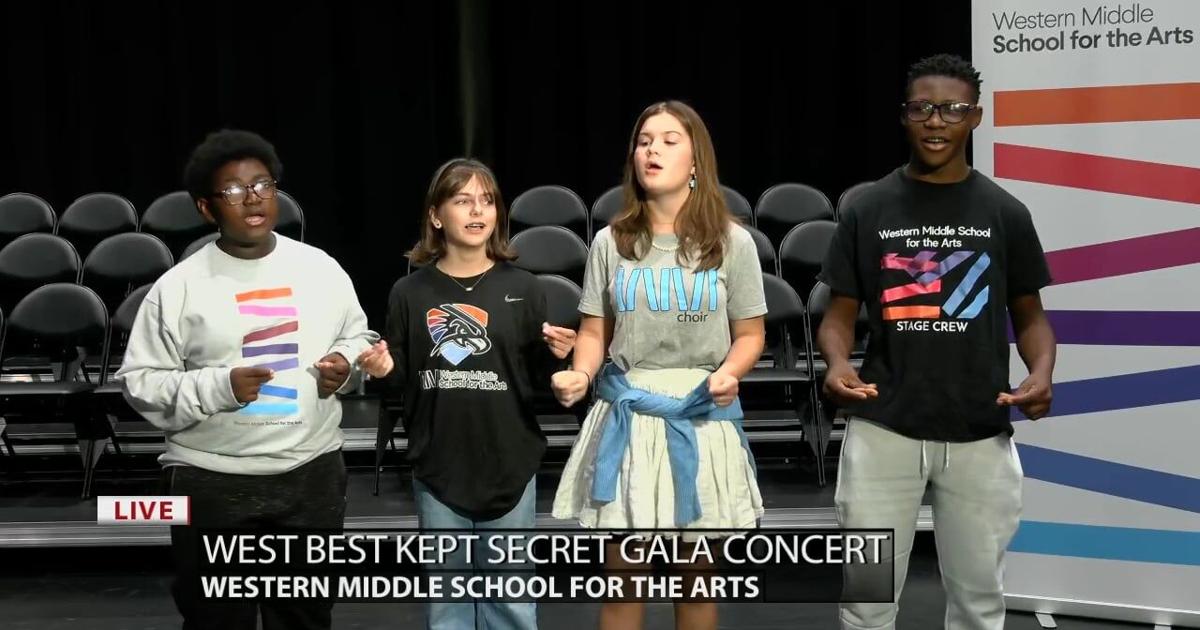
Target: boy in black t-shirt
(940, 255)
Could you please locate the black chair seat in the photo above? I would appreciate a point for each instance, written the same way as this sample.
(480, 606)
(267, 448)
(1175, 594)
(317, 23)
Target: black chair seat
(66, 388)
(108, 389)
(777, 375)
(820, 367)
(20, 365)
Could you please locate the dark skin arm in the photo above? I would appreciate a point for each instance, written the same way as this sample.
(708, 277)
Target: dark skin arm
(1036, 345)
(835, 340)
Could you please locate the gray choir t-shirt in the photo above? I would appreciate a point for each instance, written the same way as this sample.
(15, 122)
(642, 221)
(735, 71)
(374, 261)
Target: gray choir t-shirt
(668, 316)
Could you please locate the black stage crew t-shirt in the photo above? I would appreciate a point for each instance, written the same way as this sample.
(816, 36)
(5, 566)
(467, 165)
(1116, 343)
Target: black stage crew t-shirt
(468, 363)
(936, 266)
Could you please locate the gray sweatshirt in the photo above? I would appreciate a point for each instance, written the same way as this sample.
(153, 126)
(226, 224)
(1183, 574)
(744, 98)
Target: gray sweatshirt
(213, 312)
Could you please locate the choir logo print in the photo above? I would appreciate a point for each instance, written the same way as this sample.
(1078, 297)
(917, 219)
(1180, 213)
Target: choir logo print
(926, 278)
(458, 331)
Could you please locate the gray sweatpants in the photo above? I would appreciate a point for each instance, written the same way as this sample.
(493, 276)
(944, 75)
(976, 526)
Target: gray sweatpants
(881, 479)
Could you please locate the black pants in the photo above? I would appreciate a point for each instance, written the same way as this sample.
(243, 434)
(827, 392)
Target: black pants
(312, 496)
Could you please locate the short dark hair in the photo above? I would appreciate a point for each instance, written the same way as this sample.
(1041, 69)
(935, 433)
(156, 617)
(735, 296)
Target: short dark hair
(220, 148)
(945, 65)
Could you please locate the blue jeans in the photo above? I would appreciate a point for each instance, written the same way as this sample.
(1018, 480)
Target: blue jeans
(482, 614)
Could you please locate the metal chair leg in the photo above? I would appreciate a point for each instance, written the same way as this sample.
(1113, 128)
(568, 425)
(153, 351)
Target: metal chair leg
(817, 440)
(87, 451)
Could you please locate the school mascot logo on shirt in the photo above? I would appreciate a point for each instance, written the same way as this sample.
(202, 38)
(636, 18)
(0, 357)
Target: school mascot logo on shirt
(458, 331)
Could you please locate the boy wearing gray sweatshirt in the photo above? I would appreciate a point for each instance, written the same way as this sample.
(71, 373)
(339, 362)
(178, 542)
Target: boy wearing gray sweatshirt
(236, 354)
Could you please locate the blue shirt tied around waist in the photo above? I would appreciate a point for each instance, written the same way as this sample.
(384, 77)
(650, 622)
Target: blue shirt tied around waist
(682, 451)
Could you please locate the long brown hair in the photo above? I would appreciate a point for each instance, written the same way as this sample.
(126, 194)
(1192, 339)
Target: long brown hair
(447, 181)
(703, 221)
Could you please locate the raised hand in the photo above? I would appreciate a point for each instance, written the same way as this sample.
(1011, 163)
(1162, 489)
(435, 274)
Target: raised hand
(560, 340)
(246, 381)
(843, 386)
(376, 360)
(332, 372)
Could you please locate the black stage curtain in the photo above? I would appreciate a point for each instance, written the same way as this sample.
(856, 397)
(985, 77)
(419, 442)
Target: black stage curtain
(364, 99)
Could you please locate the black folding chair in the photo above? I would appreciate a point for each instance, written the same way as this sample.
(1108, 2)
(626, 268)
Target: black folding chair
(62, 324)
(606, 208)
(551, 249)
(124, 261)
(23, 213)
(176, 221)
(784, 206)
(790, 361)
(549, 205)
(95, 217)
(290, 221)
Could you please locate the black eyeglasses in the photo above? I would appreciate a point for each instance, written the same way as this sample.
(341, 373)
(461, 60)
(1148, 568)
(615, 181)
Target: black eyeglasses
(236, 194)
(920, 111)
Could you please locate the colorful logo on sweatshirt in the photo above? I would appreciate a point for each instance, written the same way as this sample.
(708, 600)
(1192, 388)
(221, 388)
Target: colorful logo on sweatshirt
(277, 351)
(926, 273)
(458, 331)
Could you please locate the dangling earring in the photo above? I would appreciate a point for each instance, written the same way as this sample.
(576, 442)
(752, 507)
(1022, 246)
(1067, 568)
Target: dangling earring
(437, 226)
(692, 181)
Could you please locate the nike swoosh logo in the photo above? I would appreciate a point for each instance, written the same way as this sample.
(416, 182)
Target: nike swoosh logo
(510, 300)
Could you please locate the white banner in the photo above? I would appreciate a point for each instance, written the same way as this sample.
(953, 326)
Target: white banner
(1092, 119)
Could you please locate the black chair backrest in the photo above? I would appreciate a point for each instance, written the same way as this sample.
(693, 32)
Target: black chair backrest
(850, 194)
(126, 313)
(32, 261)
(784, 206)
(738, 205)
(198, 244)
(551, 249)
(766, 251)
(23, 213)
(608, 205)
(562, 300)
(124, 261)
(548, 205)
(783, 303)
(606, 208)
(802, 252)
(94, 217)
(818, 303)
(290, 222)
(784, 320)
(176, 221)
(55, 319)
(121, 324)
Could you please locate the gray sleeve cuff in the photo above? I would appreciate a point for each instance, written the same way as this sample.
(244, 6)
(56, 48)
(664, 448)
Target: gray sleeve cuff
(217, 391)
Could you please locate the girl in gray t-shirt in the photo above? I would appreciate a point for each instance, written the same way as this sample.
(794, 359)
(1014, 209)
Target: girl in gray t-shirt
(673, 294)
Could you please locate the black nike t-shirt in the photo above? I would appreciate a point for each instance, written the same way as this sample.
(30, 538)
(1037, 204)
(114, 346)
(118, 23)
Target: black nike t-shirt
(936, 266)
(468, 363)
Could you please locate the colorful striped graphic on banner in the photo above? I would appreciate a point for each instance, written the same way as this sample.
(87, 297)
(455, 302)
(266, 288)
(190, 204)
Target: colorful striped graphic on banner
(1108, 543)
(1102, 104)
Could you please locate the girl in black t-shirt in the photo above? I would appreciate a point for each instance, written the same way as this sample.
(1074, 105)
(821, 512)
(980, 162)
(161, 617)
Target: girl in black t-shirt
(468, 340)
